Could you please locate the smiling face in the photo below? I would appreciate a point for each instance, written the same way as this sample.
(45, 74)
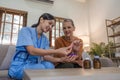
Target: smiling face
(68, 29)
(46, 25)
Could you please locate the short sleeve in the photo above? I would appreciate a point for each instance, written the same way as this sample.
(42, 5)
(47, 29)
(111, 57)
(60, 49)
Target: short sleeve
(24, 37)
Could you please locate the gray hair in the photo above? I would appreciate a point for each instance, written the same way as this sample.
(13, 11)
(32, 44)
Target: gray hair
(69, 20)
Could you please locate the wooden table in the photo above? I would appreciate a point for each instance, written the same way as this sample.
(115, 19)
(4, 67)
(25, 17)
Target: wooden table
(108, 73)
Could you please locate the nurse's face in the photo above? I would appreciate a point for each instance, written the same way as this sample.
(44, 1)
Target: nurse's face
(46, 25)
(68, 29)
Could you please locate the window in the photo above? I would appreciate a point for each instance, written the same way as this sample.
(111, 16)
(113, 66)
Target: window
(56, 31)
(11, 21)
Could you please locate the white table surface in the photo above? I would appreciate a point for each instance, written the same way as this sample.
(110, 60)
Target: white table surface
(108, 73)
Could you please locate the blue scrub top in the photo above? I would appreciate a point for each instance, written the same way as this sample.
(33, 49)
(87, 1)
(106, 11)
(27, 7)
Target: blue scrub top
(28, 36)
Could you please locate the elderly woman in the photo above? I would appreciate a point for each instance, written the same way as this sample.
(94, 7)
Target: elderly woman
(75, 60)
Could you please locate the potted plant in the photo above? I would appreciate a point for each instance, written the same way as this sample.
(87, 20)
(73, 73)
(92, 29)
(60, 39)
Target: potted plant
(101, 49)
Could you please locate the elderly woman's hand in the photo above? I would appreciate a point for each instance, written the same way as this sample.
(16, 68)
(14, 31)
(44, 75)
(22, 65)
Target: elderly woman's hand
(79, 62)
(76, 45)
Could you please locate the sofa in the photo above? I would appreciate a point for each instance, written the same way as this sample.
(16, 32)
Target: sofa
(6, 53)
(107, 62)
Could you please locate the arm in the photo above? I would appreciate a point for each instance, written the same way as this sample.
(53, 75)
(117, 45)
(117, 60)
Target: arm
(37, 51)
(53, 59)
(62, 59)
(42, 52)
(78, 49)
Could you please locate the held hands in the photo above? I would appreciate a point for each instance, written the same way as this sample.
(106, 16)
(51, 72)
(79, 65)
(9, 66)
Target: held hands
(70, 58)
(64, 51)
(74, 47)
(79, 62)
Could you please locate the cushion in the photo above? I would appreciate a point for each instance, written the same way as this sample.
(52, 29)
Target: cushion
(3, 74)
(7, 51)
(107, 62)
(3, 52)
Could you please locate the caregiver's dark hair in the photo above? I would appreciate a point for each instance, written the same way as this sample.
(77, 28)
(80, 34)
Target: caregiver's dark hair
(45, 16)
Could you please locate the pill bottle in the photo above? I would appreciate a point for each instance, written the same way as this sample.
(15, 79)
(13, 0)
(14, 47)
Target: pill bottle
(96, 62)
(87, 63)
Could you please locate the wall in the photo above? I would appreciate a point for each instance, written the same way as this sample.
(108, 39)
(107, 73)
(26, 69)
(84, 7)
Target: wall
(89, 17)
(99, 10)
(61, 8)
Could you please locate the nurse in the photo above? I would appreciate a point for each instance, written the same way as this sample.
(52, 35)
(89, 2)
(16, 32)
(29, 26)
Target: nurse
(32, 48)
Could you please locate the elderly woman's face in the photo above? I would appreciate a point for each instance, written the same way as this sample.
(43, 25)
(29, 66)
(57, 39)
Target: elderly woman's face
(68, 29)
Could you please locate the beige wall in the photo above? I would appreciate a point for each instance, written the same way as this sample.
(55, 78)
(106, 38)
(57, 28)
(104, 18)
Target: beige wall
(61, 8)
(89, 17)
(99, 10)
